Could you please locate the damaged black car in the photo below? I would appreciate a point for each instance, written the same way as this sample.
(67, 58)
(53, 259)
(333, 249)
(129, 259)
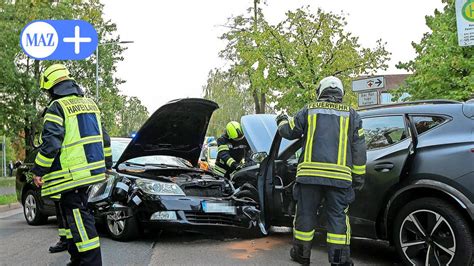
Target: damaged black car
(156, 182)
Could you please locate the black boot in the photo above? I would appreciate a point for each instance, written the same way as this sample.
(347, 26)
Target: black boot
(296, 254)
(59, 247)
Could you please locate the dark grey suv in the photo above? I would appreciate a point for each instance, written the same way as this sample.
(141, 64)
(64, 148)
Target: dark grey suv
(419, 190)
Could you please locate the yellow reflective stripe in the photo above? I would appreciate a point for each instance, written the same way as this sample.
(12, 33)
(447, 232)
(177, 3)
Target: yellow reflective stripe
(107, 151)
(88, 245)
(72, 184)
(43, 161)
(62, 232)
(336, 239)
(230, 161)
(360, 132)
(312, 137)
(80, 225)
(222, 148)
(359, 169)
(282, 122)
(55, 175)
(308, 138)
(308, 153)
(303, 236)
(68, 234)
(344, 151)
(86, 140)
(339, 153)
(60, 174)
(56, 197)
(53, 118)
(324, 166)
(291, 121)
(322, 173)
(48, 184)
(217, 169)
(348, 227)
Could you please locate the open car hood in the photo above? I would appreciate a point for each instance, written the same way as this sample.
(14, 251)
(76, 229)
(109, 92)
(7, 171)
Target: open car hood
(259, 130)
(175, 129)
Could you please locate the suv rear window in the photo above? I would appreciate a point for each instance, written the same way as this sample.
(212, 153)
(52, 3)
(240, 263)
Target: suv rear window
(384, 131)
(425, 123)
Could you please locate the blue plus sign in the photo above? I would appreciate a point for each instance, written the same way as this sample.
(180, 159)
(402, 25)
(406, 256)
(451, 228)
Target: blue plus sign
(77, 39)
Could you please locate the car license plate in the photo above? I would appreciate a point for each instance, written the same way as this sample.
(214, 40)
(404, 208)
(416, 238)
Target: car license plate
(218, 207)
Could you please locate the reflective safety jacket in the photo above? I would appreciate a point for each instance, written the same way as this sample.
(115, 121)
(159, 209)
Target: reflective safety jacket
(75, 150)
(230, 153)
(333, 147)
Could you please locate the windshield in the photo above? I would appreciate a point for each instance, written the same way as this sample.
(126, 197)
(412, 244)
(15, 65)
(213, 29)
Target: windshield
(119, 145)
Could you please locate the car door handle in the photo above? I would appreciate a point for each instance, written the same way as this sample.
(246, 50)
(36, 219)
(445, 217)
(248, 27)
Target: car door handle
(383, 167)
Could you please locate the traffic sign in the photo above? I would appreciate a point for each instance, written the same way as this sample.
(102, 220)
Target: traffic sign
(368, 98)
(465, 22)
(368, 84)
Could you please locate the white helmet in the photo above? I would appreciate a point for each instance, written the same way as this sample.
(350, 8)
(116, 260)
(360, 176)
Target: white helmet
(330, 82)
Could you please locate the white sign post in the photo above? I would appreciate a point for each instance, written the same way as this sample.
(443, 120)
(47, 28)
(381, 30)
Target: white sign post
(465, 22)
(368, 84)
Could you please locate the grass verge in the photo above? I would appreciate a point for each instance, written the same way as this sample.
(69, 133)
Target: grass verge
(7, 182)
(6, 199)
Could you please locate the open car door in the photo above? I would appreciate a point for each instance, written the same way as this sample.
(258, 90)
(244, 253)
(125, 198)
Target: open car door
(275, 183)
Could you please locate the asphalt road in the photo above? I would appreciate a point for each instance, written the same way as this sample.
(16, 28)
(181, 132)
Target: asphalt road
(21, 244)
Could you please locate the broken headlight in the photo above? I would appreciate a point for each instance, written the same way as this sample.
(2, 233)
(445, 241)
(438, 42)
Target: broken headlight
(158, 188)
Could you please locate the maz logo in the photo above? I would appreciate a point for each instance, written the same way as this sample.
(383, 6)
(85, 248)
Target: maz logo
(41, 41)
(59, 39)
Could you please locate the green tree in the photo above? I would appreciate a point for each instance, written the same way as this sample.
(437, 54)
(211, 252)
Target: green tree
(286, 61)
(22, 102)
(132, 115)
(225, 89)
(442, 68)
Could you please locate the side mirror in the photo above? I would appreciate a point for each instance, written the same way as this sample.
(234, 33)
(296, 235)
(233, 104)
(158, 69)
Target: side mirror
(258, 157)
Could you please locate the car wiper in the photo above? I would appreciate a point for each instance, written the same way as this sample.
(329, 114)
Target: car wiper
(135, 164)
(166, 165)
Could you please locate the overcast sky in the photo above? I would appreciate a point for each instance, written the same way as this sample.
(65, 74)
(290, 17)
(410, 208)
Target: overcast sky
(177, 44)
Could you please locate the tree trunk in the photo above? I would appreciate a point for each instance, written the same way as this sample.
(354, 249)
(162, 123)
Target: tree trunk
(30, 100)
(257, 103)
(263, 102)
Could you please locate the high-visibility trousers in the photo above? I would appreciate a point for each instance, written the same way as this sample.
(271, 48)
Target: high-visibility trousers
(83, 241)
(336, 204)
(62, 232)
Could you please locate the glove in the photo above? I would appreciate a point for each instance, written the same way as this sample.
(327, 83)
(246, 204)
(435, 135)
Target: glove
(358, 182)
(280, 118)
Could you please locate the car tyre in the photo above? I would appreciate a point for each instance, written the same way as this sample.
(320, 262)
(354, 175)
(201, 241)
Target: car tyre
(430, 231)
(33, 209)
(122, 225)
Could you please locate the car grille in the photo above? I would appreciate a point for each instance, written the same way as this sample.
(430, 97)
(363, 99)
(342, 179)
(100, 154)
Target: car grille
(212, 218)
(213, 191)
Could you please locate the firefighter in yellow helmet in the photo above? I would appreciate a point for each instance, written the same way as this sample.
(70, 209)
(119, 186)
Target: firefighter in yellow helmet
(232, 148)
(74, 154)
(331, 165)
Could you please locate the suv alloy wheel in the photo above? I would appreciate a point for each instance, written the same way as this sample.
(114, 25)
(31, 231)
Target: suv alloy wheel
(430, 231)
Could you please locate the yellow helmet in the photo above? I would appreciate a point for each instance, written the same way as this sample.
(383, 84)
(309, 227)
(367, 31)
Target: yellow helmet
(234, 130)
(53, 75)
